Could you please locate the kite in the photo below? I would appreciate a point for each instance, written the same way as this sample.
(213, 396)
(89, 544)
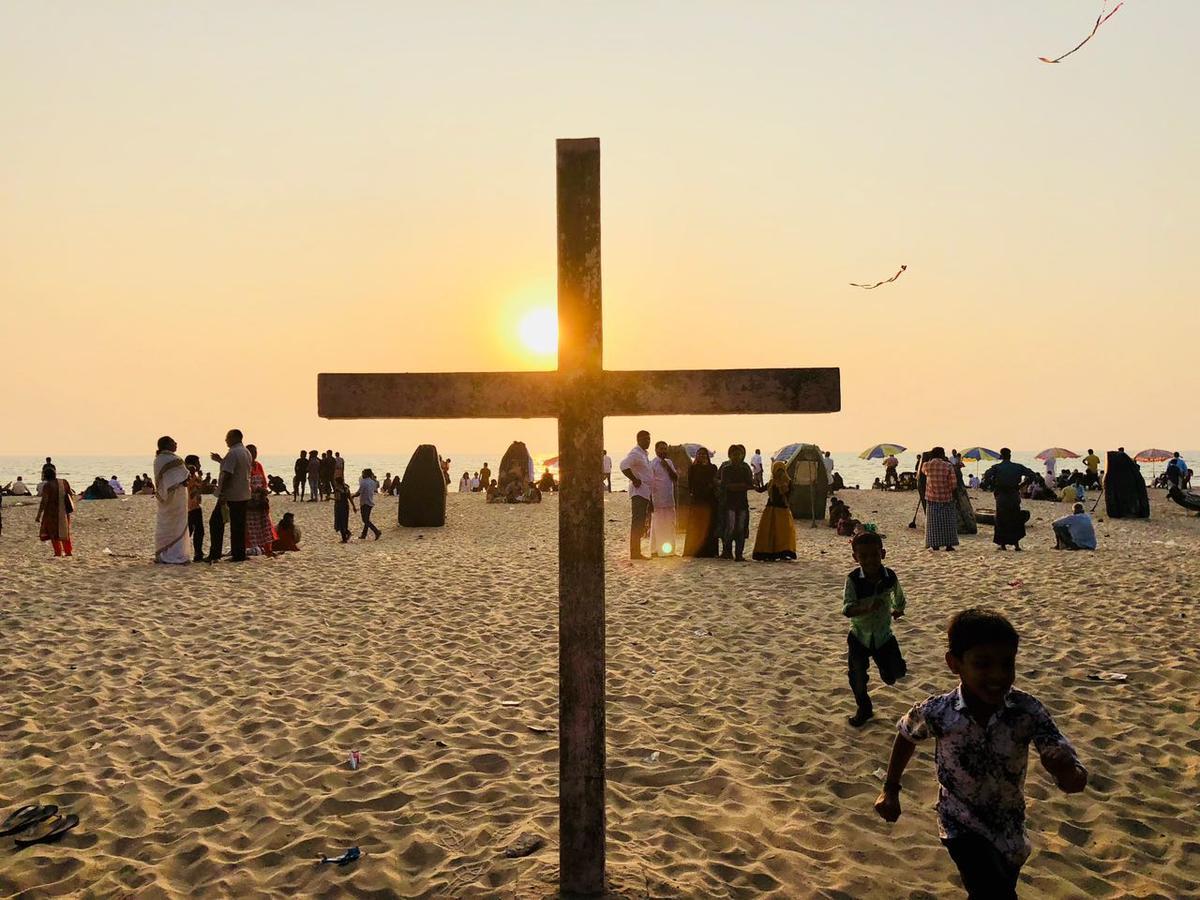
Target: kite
(1100, 20)
(871, 287)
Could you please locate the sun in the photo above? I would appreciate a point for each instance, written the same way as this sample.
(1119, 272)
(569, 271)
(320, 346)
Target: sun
(538, 330)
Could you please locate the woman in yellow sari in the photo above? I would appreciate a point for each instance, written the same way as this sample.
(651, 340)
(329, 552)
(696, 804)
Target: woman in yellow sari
(776, 537)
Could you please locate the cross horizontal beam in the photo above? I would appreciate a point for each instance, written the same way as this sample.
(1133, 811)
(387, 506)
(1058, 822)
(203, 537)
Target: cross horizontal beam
(537, 395)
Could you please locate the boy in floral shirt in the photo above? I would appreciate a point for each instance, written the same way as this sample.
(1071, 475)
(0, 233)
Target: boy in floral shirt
(982, 729)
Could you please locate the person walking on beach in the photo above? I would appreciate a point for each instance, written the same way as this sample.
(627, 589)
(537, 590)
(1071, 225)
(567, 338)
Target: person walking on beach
(982, 731)
(605, 471)
(171, 516)
(663, 479)
(636, 467)
(55, 510)
(233, 488)
(1004, 481)
(871, 599)
(756, 468)
(299, 476)
(342, 504)
(367, 486)
(941, 514)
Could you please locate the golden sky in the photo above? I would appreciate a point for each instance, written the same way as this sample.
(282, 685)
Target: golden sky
(203, 205)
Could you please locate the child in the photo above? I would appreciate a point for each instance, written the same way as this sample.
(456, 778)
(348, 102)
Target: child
(982, 731)
(287, 534)
(872, 598)
(342, 504)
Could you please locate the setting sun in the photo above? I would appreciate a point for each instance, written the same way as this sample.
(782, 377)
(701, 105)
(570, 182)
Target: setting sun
(538, 330)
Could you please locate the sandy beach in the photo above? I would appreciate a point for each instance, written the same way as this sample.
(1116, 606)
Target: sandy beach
(198, 719)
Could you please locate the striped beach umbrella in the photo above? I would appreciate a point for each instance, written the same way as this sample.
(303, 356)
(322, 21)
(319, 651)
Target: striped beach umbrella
(978, 454)
(1154, 457)
(879, 451)
(1058, 453)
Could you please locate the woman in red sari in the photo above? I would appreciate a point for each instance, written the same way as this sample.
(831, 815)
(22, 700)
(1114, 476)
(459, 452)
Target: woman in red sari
(260, 533)
(54, 513)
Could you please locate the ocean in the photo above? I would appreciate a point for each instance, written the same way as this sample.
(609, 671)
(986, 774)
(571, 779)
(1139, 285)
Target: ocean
(81, 470)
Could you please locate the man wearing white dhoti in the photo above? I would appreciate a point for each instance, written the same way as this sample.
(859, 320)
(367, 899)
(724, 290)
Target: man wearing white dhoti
(170, 492)
(662, 495)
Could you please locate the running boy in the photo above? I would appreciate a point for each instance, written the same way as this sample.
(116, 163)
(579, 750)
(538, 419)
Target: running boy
(982, 729)
(873, 597)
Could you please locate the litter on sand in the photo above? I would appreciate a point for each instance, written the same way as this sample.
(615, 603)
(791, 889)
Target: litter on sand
(1104, 16)
(1109, 676)
(653, 757)
(524, 845)
(344, 860)
(871, 287)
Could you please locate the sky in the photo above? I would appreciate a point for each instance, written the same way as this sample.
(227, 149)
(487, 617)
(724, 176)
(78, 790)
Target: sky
(203, 205)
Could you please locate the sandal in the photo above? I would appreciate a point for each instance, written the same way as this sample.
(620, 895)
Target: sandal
(54, 829)
(26, 817)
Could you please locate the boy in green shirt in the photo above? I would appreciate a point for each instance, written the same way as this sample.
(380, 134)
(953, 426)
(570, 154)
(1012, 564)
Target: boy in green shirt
(872, 598)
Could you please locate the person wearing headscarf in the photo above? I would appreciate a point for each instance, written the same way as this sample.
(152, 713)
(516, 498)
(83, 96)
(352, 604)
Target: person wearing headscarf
(701, 540)
(260, 533)
(1004, 481)
(54, 514)
(171, 494)
(776, 537)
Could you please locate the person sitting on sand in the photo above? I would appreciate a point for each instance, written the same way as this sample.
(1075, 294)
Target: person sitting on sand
(1075, 532)
(877, 485)
(386, 487)
(17, 488)
(115, 484)
(973, 481)
(837, 483)
(137, 485)
(287, 533)
(982, 729)
(492, 494)
(871, 599)
(547, 482)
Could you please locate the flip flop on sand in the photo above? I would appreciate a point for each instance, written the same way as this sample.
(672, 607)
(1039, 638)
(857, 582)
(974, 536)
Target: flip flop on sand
(52, 830)
(26, 817)
(344, 860)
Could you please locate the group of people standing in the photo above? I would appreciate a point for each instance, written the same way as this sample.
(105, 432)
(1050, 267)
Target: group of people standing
(718, 521)
(317, 471)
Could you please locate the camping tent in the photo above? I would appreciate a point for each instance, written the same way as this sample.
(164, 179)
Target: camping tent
(516, 465)
(1125, 494)
(810, 480)
(422, 497)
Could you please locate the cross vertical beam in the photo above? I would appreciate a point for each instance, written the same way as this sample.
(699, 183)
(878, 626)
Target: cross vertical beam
(581, 656)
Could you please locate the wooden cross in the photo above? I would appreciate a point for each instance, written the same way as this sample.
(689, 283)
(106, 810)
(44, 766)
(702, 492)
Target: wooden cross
(579, 394)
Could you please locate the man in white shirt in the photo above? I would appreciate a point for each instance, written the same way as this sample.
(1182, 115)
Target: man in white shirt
(606, 471)
(1051, 465)
(756, 467)
(662, 497)
(116, 485)
(636, 467)
(18, 488)
(828, 464)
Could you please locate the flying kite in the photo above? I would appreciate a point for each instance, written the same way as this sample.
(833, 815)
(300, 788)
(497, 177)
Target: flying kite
(871, 287)
(1100, 20)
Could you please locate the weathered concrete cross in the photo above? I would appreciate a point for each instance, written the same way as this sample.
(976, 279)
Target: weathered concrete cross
(580, 394)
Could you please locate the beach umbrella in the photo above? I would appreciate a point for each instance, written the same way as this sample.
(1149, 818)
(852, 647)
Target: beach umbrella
(1153, 457)
(1057, 453)
(979, 453)
(879, 451)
